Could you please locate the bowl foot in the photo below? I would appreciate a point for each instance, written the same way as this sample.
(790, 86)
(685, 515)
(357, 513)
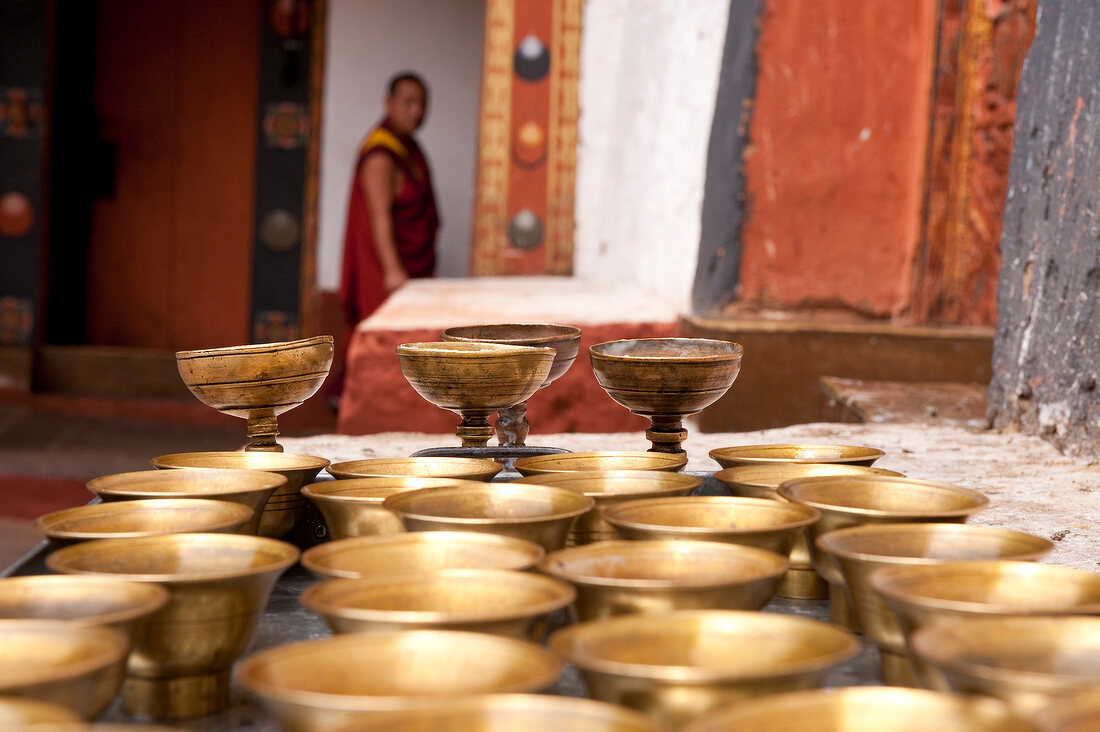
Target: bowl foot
(176, 697)
(803, 584)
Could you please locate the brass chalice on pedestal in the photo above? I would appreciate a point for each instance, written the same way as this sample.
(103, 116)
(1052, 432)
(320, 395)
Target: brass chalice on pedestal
(666, 379)
(512, 426)
(257, 382)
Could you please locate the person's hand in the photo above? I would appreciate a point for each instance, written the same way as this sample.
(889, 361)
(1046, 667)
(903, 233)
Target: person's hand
(394, 278)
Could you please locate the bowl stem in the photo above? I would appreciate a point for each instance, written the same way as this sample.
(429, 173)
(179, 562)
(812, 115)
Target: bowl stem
(666, 434)
(262, 431)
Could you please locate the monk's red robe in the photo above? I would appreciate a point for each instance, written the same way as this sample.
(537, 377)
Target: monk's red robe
(415, 222)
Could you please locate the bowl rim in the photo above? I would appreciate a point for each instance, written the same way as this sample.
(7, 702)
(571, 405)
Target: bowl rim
(666, 481)
(674, 461)
(732, 451)
(116, 648)
(586, 504)
(730, 476)
(305, 462)
(769, 564)
(561, 640)
(240, 514)
(315, 599)
(470, 350)
(273, 483)
(596, 351)
(58, 560)
(154, 595)
(788, 488)
(827, 542)
(567, 333)
(487, 466)
(810, 514)
(252, 348)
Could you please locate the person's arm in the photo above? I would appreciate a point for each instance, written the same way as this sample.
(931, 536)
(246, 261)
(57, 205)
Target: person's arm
(380, 179)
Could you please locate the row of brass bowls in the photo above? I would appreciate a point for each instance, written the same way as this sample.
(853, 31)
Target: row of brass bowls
(628, 577)
(862, 709)
(370, 556)
(854, 500)
(609, 488)
(284, 506)
(218, 587)
(676, 666)
(329, 683)
(248, 487)
(78, 666)
(500, 601)
(419, 467)
(142, 517)
(860, 550)
(762, 480)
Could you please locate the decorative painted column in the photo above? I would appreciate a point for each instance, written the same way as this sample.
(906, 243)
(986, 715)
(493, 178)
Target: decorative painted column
(523, 218)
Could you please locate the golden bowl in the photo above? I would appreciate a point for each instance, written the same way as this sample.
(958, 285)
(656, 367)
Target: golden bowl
(422, 551)
(666, 379)
(499, 601)
(1029, 662)
(756, 522)
(251, 488)
(862, 709)
(925, 595)
(321, 685)
(676, 666)
(77, 666)
(482, 469)
(257, 382)
(729, 457)
(219, 586)
(353, 506)
(142, 517)
(498, 712)
(571, 462)
(762, 480)
(627, 577)
(857, 500)
(86, 600)
(31, 714)
(538, 513)
(284, 506)
(859, 550)
(609, 488)
(474, 379)
(1076, 713)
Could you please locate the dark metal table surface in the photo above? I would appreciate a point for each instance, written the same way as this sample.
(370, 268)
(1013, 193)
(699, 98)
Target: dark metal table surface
(285, 621)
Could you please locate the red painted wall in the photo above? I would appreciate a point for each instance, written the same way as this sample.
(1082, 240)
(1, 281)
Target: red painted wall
(835, 168)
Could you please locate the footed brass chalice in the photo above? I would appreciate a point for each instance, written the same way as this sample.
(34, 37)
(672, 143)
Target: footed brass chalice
(666, 379)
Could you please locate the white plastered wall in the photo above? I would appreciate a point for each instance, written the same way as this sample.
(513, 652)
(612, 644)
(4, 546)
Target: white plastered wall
(367, 42)
(649, 79)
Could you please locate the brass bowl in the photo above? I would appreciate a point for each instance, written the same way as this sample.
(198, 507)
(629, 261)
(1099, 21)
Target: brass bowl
(474, 379)
(666, 379)
(570, 462)
(370, 556)
(1029, 662)
(925, 595)
(25, 714)
(498, 712)
(321, 685)
(538, 513)
(142, 517)
(609, 488)
(1077, 713)
(675, 666)
(627, 577)
(512, 426)
(729, 457)
(117, 603)
(482, 469)
(284, 506)
(219, 586)
(77, 666)
(756, 522)
(257, 382)
(762, 480)
(861, 709)
(859, 550)
(857, 500)
(499, 601)
(251, 488)
(353, 506)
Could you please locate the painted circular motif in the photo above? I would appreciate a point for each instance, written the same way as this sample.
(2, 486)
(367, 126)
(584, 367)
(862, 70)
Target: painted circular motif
(525, 230)
(532, 59)
(530, 145)
(289, 18)
(16, 215)
(280, 230)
